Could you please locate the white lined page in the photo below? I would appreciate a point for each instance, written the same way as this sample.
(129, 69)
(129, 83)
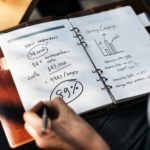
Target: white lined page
(45, 61)
(119, 45)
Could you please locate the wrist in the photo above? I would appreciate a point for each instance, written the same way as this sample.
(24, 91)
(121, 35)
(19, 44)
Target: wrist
(98, 143)
(89, 139)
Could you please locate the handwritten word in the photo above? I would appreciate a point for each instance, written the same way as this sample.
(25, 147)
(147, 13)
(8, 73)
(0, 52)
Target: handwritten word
(128, 56)
(109, 67)
(70, 73)
(56, 54)
(139, 79)
(92, 31)
(55, 66)
(112, 60)
(37, 63)
(118, 65)
(129, 62)
(48, 39)
(33, 76)
(122, 69)
(131, 67)
(131, 75)
(69, 90)
(37, 51)
(28, 45)
(116, 37)
(129, 82)
(108, 27)
(124, 77)
(120, 85)
(51, 60)
(55, 78)
(118, 79)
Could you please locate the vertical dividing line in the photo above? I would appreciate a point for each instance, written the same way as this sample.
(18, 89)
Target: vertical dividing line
(108, 90)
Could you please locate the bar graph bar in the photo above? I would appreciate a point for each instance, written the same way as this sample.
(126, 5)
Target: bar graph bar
(109, 50)
(113, 48)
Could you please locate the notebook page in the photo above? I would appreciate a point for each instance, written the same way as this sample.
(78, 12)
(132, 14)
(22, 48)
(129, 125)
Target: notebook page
(119, 45)
(45, 62)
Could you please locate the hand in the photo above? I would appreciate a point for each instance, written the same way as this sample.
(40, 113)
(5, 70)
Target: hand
(66, 130)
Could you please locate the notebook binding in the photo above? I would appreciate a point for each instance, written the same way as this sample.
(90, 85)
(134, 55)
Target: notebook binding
(82, 43)
(102, 78)
(98, 71)
(106, 87)
(75, 29)
(78, 35)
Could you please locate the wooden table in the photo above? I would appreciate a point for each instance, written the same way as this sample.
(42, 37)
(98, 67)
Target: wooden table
(12, 12)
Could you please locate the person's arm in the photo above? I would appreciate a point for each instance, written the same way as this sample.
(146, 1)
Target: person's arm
(66, 130)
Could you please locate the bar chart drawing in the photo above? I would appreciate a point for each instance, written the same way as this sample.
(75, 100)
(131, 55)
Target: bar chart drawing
(109, 48)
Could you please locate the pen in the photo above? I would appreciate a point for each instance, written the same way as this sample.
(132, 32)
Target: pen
(44, 118)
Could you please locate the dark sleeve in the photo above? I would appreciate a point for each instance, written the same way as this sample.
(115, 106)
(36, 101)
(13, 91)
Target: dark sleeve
(126, 129)
(147, 2)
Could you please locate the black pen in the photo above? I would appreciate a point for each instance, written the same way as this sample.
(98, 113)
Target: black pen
(45, 120)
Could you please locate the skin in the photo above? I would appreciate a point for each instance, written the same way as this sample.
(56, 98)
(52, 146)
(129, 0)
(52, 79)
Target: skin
(66, 130)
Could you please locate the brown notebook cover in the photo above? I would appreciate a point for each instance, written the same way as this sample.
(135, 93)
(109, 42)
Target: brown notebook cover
(11, 109)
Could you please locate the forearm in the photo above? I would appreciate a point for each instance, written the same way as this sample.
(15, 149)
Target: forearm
(86, 136)
(97, 143)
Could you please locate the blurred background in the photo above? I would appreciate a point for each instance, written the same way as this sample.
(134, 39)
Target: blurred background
(64, 7)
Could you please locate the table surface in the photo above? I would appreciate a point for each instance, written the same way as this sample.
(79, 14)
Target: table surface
(12, 11)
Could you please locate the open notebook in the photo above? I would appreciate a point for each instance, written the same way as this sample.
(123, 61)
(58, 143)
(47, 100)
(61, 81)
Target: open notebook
(91, 62)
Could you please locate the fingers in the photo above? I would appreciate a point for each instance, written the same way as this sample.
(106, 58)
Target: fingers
(59, 105)
(40, 140)
(56, 103)
(57, 108)
(35, 121)
(37, 107)
(32, 119)
(31, 131)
